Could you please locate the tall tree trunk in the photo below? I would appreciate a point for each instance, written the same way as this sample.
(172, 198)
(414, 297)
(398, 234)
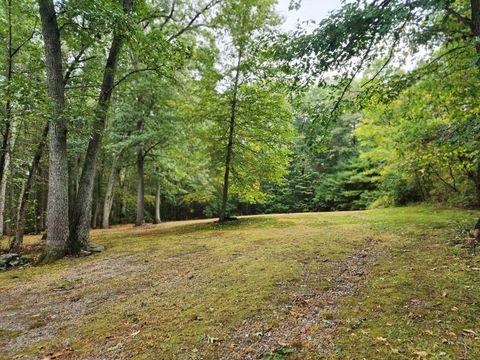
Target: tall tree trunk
(57, 206)
(475, 29)
(112, 180)
(3, 195)
(17, 241)
(141, 180)
(80, 224)
(4, 151)
(231, 133)
(157, 219)
(8, 105)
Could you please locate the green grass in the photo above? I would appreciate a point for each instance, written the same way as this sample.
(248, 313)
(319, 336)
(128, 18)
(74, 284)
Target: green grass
(263, 286)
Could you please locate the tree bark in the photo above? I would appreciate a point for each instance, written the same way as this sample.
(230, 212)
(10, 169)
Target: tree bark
(228, 159)
(141, 180)
(98, 195)
(57, 203)
(41, 200)
(475, 29)
(157, 219)
(4, 228)
(112, 180)
(476, 21)
(3, 196)
(74, 173)
(17, 240)
(123, 200)
(80, 225)
(8, 105)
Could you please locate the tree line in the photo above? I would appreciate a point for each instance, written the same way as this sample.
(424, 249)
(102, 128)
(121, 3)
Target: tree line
(126, 111)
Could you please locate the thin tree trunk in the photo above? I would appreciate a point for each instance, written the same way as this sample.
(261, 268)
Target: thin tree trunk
(157, 219)
(228, 159)
(17, 241)
(123, 200)
(112, 180)
(11, 203)
(5, 225)
(141, 180)
(80, 225)
(57, 206)
(98, 195)
(8, 105)
(3, 196)
(475, 29)
(4, 151)
(41, 200)
(73, 176)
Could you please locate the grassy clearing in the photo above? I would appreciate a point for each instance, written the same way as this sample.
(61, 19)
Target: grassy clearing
(375, 284)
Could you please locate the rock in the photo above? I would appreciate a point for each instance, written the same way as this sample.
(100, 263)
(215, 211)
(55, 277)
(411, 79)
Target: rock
(85, 253)
(11, 260)
(94, 248)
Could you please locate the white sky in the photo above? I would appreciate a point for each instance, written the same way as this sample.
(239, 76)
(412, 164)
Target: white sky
(310, 10)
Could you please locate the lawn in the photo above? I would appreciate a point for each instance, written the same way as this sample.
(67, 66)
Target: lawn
(377, 284)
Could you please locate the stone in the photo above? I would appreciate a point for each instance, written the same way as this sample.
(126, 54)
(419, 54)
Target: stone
(11, 260)
(94, 248)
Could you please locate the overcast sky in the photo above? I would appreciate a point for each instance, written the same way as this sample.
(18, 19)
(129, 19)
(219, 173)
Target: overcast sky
(310, 10)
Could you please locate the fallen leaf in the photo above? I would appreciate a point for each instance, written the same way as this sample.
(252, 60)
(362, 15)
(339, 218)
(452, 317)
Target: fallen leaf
(469, 332)
(422, 354)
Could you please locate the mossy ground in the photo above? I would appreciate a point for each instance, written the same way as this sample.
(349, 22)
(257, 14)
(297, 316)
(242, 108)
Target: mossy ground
(264, 286)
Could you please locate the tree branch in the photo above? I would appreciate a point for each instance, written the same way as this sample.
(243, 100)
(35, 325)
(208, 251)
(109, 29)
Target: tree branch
(135, 71)
(390, 56)
(194, 18)
(153, 146)
(26, 41)
(463, 19)
(169, 17)
(71, 67)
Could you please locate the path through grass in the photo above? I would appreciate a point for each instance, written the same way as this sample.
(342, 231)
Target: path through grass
(376, 284)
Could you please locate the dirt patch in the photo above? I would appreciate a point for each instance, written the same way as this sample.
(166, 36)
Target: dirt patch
(307, 323)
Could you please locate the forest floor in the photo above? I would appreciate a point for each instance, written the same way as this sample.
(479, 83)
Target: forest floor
(379, 284)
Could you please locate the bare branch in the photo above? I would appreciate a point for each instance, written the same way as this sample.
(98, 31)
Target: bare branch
(463, 19)
(26, 41)
(194, 18)
(136, 71)
(127, 75)
(150, 148)
(71, 67)
(169, 17)
(391, 54)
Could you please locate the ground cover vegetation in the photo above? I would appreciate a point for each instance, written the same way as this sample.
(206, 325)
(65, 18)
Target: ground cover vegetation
(125, 114)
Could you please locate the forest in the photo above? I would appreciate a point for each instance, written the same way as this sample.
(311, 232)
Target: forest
(203, 137)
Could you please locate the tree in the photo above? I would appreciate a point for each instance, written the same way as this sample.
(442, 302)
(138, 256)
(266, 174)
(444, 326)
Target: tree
(80, 223)
(57, 203)
(245, 21)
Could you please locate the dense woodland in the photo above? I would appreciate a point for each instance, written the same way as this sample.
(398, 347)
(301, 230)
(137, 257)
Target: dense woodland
(141, 111)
